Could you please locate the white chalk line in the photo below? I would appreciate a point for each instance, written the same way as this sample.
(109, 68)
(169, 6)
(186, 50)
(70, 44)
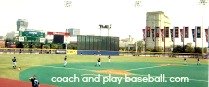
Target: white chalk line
(157, 67)
(95, 70)
(64, 68)
(147, 67)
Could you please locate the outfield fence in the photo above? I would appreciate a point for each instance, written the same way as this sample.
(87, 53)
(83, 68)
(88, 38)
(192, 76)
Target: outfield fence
(121, 53)
(26, 51)
(165, 54)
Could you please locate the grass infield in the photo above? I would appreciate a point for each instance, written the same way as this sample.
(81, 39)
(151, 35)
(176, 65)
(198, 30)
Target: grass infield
(47, 66)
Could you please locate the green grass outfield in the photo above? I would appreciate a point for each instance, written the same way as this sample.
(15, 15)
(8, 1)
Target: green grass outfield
(47, 66)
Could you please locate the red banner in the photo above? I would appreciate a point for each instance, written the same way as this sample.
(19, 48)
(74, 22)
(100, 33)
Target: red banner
(58, 33)
(157, 31)
(206, 34)
(186, 29)
(176, 32)
(172, 37)
(182, 34)
(198, 31)
(194, 35)
(144, 34)
(162, 34)
(153, 34)
(148, 31)
(166, 31)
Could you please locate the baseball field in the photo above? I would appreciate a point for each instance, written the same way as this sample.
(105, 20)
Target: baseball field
(122, 71)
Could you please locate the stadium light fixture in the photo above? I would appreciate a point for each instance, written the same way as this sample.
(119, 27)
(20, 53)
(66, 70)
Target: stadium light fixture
(67, 3)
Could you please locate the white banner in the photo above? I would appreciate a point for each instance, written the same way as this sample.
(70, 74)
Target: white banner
(21, 39)
(42, 40)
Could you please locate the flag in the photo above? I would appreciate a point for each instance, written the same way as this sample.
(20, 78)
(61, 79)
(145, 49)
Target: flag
(172, 37)
(186, 32)
(176, 32)
(144, 34)
(194, 35)
(198, 29)
(162, 34)
(148, 31)
(182, 34)
(153, 34)
(206, 34)
(166, 31)
(157, 31)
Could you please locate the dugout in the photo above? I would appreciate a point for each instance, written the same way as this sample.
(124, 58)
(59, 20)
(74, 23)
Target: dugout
(94, 45)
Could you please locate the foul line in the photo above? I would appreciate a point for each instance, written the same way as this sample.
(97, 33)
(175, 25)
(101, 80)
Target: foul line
(147, 67)
(64, 68)
(95, 70)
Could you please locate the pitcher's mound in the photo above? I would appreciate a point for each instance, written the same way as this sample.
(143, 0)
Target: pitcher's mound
(116, 72)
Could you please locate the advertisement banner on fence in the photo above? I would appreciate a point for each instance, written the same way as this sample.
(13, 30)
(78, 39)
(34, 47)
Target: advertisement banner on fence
(60, 51)
(71, 52)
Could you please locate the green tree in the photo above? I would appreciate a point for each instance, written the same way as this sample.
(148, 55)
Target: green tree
(122, 48)
(72, 46)
(54, 46)
(46, 46)
(178, 49)
(157, 49)
(205, 50)
(140, 45)
(198, 50)
(189, 49)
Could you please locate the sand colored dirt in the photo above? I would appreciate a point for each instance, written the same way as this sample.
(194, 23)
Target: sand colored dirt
(171, 65)
(114, 72)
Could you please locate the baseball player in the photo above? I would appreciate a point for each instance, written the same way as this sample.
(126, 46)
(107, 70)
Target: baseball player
(14, 62)
(185, 61)
(109, 58)
(65, 61)
(34, 81)
(98, 62)
(198, 61)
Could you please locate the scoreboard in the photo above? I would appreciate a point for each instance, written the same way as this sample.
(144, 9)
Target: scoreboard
(31, 36)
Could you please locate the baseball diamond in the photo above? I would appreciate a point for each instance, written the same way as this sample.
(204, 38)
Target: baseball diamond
(121, 71)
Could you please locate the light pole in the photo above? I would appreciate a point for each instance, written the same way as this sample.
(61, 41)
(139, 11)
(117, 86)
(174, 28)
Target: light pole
(67, 4)
(108, 27)
(143, 46)
(138, 4)
(136, 46)
(155, 30)
(66, 48)
(100, 29)
(202, 3)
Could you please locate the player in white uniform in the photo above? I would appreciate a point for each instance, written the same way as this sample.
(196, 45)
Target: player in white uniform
(98, 62)
(65, 61)
(109, 58)
(198, 61)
